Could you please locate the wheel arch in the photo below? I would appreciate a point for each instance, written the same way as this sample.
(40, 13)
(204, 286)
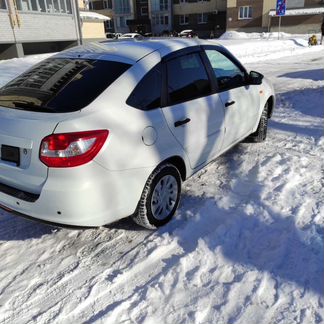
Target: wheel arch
(271, 101)
(179, 163)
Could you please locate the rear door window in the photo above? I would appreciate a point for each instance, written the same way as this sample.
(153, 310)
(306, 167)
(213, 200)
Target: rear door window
(187, 79)
(60, 84)
(147, 94)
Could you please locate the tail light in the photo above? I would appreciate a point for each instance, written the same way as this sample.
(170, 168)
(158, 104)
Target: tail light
(71, 149)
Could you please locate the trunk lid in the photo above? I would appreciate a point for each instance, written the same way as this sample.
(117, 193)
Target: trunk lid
(21, 133)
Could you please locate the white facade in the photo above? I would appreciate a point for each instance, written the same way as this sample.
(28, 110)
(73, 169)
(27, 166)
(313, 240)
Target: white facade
(35, 21)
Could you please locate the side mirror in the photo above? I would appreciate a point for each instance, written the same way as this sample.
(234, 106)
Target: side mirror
(255, 77)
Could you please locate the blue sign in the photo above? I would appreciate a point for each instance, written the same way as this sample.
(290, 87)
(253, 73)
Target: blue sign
(281, 8)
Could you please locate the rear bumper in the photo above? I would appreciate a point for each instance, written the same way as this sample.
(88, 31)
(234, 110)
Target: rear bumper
(38, 220)
(83, 196)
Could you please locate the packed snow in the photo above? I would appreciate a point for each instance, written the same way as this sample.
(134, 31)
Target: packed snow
(253, 47)
(246, 246)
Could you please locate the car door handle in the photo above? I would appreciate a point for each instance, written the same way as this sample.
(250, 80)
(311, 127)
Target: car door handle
(182, 122)
(229, 103)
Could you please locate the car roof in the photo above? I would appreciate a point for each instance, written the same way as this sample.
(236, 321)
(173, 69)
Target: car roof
(130, 50)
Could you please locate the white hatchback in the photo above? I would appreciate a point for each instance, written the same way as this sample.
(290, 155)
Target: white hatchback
(108, 130)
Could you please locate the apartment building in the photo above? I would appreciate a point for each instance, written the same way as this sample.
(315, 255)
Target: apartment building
(161, 16)
(302, 16)
(141, 22)
(144, 16)
(121, 13)
(206, 17)
(36, 26)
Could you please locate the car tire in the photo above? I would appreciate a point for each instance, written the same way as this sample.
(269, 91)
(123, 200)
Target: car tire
(261, 133)
(160, 197)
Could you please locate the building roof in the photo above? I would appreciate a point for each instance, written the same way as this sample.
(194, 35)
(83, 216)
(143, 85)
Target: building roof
(90, 15)
(129, 50)
(300, 12)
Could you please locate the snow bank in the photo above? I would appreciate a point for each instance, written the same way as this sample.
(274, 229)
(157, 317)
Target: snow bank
(234, 35)
(253, 47)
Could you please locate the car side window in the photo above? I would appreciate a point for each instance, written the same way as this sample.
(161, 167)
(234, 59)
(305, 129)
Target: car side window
(187, 79)
(147, 94)
(227, 73)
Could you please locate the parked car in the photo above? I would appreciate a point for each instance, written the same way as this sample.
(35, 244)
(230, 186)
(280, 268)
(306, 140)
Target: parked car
(77, 150)
(188, 33)
(117, 35)
(131, 35)
(111, 35)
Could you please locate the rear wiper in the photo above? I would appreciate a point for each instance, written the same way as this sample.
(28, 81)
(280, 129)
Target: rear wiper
(29, 105)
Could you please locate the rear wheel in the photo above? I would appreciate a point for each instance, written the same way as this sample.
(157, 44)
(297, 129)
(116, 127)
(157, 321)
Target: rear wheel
(261, 133)
(160, 197)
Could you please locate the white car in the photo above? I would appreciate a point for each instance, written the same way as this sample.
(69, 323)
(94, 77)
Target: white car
(187, 33)
(104, 131)
(130, 35)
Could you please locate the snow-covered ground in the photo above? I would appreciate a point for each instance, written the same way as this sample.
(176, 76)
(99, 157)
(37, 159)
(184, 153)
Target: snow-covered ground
(245, 247)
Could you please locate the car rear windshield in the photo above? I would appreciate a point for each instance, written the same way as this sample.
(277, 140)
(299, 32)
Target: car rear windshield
(60, 84)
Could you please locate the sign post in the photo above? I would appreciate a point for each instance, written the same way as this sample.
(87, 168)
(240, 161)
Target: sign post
(280, 11)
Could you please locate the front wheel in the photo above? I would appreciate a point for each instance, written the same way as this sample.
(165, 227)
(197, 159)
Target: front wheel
(160, 197)
(261, 133)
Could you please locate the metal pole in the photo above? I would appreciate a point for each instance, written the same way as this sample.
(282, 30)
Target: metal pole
(279, 27)
(78, 20)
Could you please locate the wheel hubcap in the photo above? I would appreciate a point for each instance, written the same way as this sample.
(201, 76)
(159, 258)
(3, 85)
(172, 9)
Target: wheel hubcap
(164, 197)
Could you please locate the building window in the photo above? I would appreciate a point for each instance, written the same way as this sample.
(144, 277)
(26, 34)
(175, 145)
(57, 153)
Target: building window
(184, 19)
(160, 20)
(68, 6)
(3, 4)
(34, 5)
(245, 12)
(202, 18)
(163, 5)
(122, 22)
(109, 24)
(122, 7)
(56, 6)
(107, 4)
(42, 5)
(63, 5)
(144, 11)
(49, 6)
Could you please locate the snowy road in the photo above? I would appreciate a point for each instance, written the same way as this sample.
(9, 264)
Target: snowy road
(245, 247)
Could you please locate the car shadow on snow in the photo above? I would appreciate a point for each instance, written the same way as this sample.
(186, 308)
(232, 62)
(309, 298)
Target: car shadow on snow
(313, 131)
(299, 100)
(315, 75)
(14, 228)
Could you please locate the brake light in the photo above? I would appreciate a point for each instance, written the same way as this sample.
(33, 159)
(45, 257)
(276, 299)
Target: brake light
(71, 149)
